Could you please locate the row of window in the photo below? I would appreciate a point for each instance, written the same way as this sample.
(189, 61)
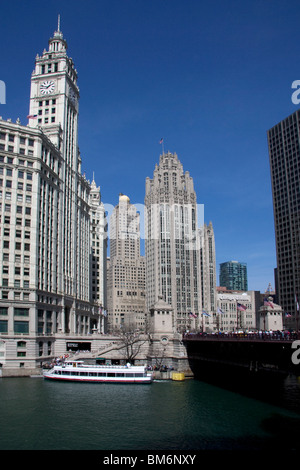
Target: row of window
(21, 312)
(11, 138)
(17, 295)
(19, 209)
(20, 327)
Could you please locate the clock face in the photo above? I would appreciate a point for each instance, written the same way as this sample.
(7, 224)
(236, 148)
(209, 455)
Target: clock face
(47, 87)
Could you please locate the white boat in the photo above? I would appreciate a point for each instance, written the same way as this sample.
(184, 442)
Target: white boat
(80, 372)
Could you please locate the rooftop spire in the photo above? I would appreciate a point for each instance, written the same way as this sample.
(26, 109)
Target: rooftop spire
(57, 43)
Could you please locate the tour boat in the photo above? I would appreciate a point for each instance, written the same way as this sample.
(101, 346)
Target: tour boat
(80, 372)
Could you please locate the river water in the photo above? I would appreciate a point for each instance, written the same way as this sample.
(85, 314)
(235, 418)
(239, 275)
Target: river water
(166, 415)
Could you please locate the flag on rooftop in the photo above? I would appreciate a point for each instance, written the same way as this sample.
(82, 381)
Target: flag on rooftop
(161, 141)
(32, 116)
(267, 302)
(241, 307)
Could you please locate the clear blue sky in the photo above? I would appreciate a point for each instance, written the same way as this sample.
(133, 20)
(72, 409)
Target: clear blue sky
(209, 77)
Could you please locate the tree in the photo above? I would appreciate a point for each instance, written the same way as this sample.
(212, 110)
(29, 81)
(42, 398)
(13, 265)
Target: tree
(130, 342)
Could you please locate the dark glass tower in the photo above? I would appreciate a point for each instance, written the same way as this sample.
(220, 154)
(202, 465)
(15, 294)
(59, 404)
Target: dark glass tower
(284, 151)
(233, 275)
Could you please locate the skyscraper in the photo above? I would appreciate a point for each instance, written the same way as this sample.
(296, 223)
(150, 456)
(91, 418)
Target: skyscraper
(233, 275)
(45, 245)
(98, 258)
(208, 269)
(171, 241)
(284, 153)
(126, 271)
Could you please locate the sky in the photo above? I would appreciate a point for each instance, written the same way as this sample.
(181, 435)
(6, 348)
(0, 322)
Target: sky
(210, 78)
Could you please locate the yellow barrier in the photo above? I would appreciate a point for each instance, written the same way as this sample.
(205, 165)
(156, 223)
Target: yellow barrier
(178, 376)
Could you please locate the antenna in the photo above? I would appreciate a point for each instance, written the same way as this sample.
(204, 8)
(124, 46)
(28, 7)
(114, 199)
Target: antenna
(58, 24)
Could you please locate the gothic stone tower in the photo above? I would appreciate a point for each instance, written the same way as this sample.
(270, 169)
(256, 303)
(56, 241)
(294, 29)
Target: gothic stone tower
(171, 242)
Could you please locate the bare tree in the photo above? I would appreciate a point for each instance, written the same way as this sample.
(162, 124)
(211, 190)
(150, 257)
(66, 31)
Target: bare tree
(130, 342)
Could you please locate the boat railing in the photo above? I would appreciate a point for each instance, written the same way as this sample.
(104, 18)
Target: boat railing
(100, 366)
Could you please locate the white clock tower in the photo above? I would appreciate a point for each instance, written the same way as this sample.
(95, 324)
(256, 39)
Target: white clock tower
(54, 95)
(54, 99)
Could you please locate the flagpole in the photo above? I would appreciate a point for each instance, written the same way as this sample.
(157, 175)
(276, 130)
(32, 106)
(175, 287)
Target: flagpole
(162, 144)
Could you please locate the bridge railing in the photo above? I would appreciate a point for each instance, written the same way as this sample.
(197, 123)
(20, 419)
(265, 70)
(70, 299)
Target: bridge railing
(257, 336)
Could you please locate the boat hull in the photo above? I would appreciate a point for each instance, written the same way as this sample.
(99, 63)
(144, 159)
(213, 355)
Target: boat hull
(92, 380)
(78, 372)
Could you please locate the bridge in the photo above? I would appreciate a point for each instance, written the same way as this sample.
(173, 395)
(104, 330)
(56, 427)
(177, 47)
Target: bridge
(253, 355)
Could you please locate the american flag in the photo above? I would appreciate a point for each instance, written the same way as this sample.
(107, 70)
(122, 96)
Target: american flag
(266, 302)
(32, 116)
(191, 314)
(241, 307)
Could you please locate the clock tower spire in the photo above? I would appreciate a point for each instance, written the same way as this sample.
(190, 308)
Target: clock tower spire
(54, 92)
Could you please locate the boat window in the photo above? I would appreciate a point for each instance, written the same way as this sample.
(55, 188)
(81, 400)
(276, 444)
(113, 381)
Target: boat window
(111, 374)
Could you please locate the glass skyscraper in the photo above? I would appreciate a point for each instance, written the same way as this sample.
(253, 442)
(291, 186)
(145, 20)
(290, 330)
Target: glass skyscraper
(284, 151)
(233, 275)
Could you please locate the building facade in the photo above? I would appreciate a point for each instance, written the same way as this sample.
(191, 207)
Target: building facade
(208, 274)
(270, 316)
(284, 154)
(45, 247)
(98, 255)
(126, 269)
(172, 242)
(237, 310)
(233, 275)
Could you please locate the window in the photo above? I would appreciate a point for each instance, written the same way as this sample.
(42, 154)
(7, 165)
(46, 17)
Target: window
(21, 327)
(3, 326)
(21, 312)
